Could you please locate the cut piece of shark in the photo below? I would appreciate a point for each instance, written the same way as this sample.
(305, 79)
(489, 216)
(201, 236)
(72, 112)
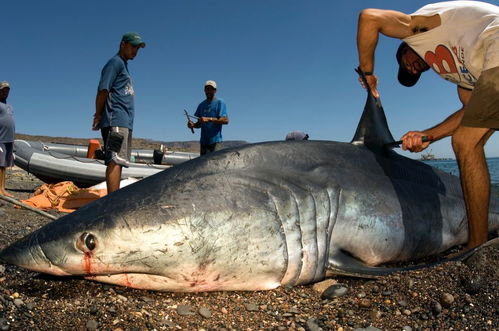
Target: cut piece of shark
(260, 216)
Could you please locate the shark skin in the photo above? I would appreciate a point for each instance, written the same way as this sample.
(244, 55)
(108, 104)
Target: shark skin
(260, 216)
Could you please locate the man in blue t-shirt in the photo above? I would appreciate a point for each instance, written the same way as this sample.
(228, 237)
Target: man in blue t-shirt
(211, 114)
(114, 109)
(7, 133)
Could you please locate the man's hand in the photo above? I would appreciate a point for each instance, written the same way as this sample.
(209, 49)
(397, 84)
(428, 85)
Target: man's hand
(372, 80)
(190, 124)
(413, 141)
(96, 122)
(100, 102)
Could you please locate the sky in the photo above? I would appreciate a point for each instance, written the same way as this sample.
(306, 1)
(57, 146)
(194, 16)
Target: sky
(280, 65)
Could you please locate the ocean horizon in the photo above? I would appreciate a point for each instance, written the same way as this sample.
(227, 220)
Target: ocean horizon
(450, 166)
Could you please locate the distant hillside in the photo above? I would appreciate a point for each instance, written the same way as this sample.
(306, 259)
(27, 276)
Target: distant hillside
(138, 143)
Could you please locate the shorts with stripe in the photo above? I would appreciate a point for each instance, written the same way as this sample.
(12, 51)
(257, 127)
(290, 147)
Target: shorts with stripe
(6, 155)
(117, 145)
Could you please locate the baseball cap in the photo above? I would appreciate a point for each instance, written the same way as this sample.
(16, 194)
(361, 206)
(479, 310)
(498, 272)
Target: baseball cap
(405, 78)
(4, 84)
(211, 83)
(134, 39)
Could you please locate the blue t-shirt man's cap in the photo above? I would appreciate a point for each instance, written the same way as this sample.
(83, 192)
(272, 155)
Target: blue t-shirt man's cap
(211, 133)
(119, 108)
(134, 39)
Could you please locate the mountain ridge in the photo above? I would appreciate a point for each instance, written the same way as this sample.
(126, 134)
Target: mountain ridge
(137, 143)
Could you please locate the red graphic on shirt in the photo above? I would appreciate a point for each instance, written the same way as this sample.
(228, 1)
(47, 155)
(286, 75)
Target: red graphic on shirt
(450, 65)
(444, 63)
(441, 60)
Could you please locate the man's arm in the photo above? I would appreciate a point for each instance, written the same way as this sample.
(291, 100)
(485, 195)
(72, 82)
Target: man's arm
(220, 120)
(371, 23)
(100, 101)
(412, 139)
(191, 124)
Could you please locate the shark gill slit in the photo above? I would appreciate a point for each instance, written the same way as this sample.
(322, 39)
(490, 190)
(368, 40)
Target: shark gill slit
(290, 228)
(301, 194)
(334, 203)
(278, 214)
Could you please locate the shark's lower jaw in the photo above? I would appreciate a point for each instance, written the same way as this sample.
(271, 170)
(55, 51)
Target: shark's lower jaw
(163, 283)
(50, 269)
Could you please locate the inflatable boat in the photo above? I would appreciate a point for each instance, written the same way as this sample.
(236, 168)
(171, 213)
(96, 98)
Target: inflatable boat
(53, 162)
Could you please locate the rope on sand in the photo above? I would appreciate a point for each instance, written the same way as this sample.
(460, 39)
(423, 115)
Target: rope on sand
(19, 203)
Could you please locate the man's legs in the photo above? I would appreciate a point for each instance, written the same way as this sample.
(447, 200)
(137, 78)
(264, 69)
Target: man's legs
(6, 160)
(468, 144)
(202, 150)
(481, 113)
(113, 177)
(2, 182)
(118, 143)
(205, 149)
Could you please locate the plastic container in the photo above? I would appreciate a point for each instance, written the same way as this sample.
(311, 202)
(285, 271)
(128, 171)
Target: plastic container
(93, 145)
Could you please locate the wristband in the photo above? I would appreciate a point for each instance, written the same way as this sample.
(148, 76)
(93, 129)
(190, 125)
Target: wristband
(368, 73)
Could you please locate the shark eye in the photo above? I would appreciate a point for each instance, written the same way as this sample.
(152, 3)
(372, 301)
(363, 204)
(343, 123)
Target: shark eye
(86, 242)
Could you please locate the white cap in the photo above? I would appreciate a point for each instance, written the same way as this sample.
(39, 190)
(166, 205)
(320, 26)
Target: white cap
(211, 83)
(4, 84)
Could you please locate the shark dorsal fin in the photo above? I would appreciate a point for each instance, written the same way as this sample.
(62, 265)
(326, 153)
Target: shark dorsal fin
(372, 130)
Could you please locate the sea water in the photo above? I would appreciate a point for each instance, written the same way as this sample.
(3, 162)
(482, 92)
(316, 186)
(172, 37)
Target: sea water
(450, 166)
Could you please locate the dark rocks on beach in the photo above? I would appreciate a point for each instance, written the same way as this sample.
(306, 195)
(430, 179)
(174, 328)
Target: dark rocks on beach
(336, 290)
(415, 300)
(92, 325)
(473, 284)
(446, 300)
(205, 312)
(184, 310)
(436, 308)
(251, 307)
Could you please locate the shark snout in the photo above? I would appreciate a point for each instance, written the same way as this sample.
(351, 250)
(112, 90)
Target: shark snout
(28, 254)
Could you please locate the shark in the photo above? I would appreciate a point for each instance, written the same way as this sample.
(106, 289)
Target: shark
(260, 216)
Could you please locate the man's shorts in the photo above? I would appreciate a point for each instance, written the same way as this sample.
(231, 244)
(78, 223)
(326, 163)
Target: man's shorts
(210, 148)
(482, 110)
(6, 155)
(117, 145)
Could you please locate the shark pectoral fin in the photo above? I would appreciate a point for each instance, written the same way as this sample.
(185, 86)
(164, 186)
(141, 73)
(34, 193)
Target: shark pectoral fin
(343, 264)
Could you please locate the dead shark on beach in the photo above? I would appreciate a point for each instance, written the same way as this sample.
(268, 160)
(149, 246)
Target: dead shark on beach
(260, 216)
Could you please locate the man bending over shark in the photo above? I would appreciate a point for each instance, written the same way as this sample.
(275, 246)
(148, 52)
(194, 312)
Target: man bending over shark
(459, 40)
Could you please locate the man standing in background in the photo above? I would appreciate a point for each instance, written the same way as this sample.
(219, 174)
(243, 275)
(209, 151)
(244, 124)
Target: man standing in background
(7, 134)
(114, 109)
(211, 114)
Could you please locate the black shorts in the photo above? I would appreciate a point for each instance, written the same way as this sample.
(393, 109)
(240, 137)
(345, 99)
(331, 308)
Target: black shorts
(210, 148)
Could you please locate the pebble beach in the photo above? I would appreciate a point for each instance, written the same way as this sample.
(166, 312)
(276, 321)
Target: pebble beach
(461, 295)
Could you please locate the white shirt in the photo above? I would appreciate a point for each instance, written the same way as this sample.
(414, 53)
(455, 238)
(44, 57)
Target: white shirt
(464, 44)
